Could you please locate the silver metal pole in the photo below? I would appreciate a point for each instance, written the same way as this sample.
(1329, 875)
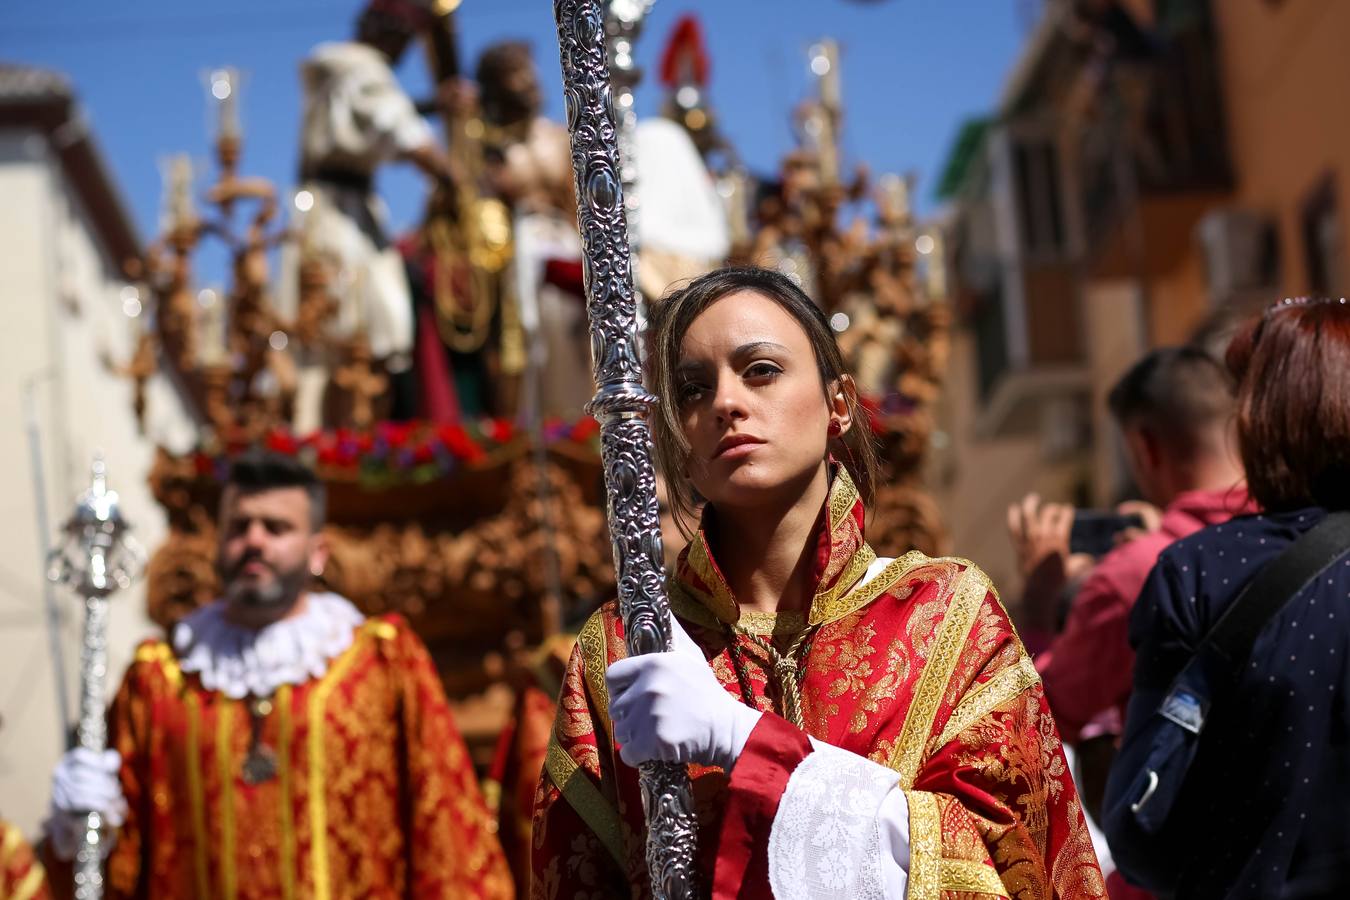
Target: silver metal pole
(620, 404)
(96, 558)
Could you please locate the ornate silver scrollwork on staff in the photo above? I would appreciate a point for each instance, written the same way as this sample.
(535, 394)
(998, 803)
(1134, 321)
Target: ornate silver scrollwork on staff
(621, 403)
(96, 557)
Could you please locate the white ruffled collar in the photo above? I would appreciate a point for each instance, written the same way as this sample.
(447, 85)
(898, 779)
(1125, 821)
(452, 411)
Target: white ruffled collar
(239, 661)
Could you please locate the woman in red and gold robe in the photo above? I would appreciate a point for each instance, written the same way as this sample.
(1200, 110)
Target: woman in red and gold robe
(891, 737)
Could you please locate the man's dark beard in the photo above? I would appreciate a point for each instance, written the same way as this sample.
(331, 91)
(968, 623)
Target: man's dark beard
(281, 593)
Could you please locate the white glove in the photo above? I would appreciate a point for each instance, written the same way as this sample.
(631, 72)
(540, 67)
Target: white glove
(85, 781)
(670, 707)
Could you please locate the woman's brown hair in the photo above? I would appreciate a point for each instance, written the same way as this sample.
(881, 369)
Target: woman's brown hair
(1292, 365)
(669, 321)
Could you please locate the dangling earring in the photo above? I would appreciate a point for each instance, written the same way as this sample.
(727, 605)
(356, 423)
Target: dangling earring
(834, 429)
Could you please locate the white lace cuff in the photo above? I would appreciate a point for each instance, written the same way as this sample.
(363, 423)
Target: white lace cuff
(842, 830)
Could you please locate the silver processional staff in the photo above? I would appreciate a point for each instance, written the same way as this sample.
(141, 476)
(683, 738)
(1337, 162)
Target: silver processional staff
(621, 403)
(95, 557)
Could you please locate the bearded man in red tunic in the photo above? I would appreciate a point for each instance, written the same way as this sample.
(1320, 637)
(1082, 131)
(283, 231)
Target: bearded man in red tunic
(281, 744)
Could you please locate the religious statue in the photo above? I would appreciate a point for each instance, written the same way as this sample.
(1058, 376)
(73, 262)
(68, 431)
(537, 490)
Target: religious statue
(528, 165)
(356, 118)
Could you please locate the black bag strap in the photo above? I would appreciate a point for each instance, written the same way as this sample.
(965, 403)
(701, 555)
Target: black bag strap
(1223, 652)
(1233, 636)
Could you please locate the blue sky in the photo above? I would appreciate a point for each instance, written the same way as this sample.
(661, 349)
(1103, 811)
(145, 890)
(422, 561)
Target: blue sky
(912, 71)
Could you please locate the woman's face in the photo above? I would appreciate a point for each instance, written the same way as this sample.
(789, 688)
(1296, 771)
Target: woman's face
(751, 403)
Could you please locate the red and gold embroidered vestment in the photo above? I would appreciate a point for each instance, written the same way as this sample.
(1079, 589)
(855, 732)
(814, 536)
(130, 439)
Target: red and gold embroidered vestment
(912, 663)
(374, 795)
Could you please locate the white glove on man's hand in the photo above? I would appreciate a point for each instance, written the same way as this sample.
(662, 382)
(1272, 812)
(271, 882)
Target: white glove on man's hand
(85, 781)
(669, 707)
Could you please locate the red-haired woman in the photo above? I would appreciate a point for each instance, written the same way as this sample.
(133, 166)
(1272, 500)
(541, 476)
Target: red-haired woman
(1261, 811)
(854, 726)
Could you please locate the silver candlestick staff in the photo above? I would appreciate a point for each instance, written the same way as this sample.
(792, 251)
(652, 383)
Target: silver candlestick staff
(96, 557)
(621, 403)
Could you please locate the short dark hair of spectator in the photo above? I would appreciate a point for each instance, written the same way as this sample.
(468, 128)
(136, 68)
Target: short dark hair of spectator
(265, 470)
(1175, 393)
(1293, 369)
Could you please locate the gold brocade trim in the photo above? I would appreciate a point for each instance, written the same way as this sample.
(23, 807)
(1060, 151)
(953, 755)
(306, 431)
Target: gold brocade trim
(863, 594)
(492, 799)
(285, 737)
(843, 497)
(196, 796)
(584, 797)
(318, 806)
(967, 597)
(149, 653)
(684, 603)
(382, 630)
(225, 771)
(987, 697)
(853, 570)
(161, 653)
(925, 846)
(11, 843)
(595, 660)
(768, 624)
(700, 608)
(970, 876)
(31, 884)
(720, 602)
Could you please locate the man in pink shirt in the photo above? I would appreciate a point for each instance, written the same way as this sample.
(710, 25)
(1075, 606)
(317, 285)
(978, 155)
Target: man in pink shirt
(1175, 411)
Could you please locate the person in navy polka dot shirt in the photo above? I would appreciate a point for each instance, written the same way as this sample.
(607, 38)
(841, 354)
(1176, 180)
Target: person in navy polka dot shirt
(1265, 809)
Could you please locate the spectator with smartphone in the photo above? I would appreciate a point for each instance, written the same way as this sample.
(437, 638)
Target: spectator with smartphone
(1054, 566)
(1175, 411)
(1243, 638)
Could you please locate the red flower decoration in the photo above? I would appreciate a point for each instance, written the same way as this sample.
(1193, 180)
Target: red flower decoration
(396, 434)
(458, 442)
(585, 428)
(282, 442)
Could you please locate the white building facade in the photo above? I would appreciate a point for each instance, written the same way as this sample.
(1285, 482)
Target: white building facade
(64, 238)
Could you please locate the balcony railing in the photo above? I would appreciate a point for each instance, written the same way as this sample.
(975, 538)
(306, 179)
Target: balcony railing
(1159, 128)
